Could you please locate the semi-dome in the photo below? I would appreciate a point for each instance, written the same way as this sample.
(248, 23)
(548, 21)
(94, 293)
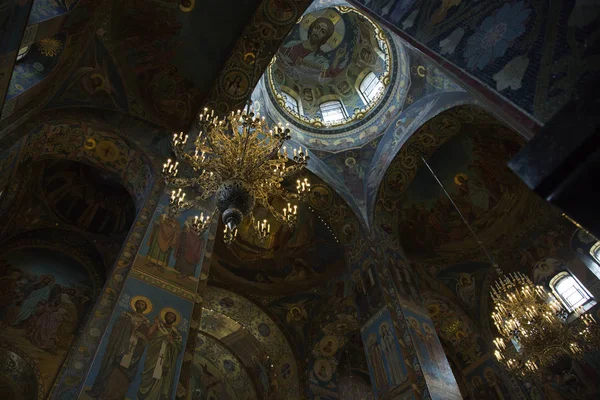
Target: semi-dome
(332, 70)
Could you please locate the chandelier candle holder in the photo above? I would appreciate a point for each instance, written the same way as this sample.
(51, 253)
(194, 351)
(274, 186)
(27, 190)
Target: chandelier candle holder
(303, 187)
(290, 214)
(229, 235)
(241, 161)
(534, 328)
(177, 202)
(262, 230)
(200, 224)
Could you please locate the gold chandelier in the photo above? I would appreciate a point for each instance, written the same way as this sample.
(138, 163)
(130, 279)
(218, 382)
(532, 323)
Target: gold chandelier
(534, 328)
(240, 161)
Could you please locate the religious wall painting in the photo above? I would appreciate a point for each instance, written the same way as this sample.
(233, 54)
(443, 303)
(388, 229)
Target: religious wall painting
(403, 279)
(291, 260)
(211, 373)
(468, 282)
(295, 312)
(96, 82)
(171, 251)
(456, 330)
(140, 354)
(324, 57)
(503, 44)
(45, 297)
(383, 352)
(254, 343)
(158, 60)
(39, 62)
(43, 10)
(93, 143)
(466, 165)
(486, 380)
(434, 364)
(244, 351)
(87, 198)
(367, 289)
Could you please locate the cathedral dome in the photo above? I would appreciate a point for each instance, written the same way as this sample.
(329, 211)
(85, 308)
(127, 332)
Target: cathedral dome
(332, 70)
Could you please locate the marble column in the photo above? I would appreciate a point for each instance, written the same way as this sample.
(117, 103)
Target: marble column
(134, 344)
(403, 351)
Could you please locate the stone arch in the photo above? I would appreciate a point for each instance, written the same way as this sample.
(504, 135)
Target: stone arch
(250, 318)
(90, 142)
(21, 379)
(78, 275)
(407, 124)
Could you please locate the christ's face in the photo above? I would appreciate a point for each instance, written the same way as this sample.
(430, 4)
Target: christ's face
(318, 33)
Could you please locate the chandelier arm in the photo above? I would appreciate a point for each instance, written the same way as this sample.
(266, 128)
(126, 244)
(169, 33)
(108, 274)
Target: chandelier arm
(179, 182)
(277, 215)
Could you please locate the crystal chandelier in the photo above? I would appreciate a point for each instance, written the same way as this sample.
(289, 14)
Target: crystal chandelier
(240, 161)
(534, 328)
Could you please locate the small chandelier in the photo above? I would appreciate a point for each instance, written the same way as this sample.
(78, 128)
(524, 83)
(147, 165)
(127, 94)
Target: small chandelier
(240, 161)
(534, 328)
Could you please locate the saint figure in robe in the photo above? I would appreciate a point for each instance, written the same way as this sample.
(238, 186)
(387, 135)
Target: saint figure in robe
(164, 346)
(391, 354)
(39, 292)
(163, 239)
(376, 362)
(189, 251)
(122, 355)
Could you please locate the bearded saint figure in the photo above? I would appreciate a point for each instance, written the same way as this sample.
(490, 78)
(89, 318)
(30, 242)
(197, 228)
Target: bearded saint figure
(122, 354)
(164, 345)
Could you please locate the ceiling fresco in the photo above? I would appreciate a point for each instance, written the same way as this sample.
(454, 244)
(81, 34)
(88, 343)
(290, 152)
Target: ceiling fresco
(507, 46)
(325, 57)
(87, 198)
(290, 260)
(468, 150)
(217, 374)
(371, 124)
(253, 335)
(352, 159)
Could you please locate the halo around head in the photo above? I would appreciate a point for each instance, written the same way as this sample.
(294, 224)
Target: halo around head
(145, 300)
(460, 175)
(164, 312)
(339, 27)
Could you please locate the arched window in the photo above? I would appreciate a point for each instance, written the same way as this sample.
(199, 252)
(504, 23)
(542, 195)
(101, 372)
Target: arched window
(370, 88)
(291, 103)
(595, 252)
(22, 53)
(333, 111)
(570, 292)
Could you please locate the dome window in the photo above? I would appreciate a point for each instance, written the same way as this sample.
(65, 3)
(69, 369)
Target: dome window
(333, 111)
(570, 292)
(291, 103)
(370, 88)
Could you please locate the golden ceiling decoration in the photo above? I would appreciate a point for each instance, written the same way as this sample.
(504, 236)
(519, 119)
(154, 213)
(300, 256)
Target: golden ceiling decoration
(50, 47)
